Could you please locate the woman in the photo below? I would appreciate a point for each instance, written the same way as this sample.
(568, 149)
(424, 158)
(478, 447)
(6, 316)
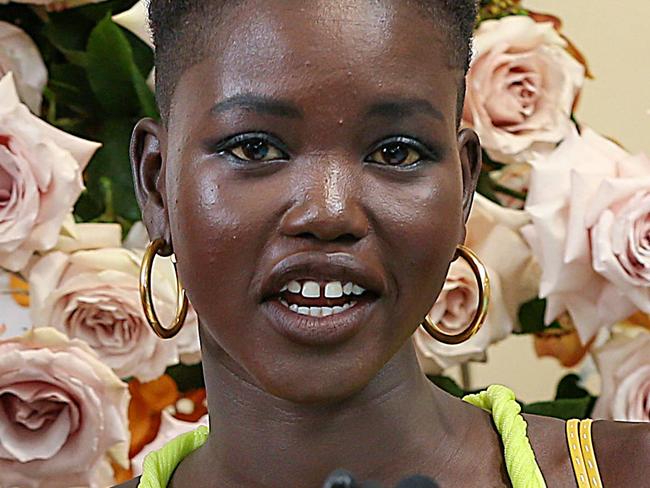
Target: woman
(311, 180)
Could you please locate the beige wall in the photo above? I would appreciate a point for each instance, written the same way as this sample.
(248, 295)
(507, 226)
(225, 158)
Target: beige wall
(615, 37)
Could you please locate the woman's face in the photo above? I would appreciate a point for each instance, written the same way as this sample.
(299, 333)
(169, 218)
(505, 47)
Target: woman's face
(314, 187)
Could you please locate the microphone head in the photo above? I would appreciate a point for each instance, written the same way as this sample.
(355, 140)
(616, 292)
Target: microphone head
(340, 479)
(418, 482)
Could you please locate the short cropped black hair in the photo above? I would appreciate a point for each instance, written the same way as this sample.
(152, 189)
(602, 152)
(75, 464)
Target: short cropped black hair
(173, 24)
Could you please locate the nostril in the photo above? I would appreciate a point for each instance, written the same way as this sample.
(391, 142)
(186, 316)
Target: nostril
(347, 239)
(342, 239)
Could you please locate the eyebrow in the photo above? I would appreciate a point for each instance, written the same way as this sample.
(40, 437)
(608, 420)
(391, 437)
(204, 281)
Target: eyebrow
(403, 108)
(257, 103)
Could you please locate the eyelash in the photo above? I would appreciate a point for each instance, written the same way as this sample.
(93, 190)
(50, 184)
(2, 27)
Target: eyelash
(426, 153)
(227, 147)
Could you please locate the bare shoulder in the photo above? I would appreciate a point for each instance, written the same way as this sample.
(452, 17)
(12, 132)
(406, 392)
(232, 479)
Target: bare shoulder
(623, 452)
(130, 484)
(547, 437)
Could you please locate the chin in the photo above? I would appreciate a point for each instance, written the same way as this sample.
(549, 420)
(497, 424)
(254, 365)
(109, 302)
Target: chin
(317, 389)
(323, 376)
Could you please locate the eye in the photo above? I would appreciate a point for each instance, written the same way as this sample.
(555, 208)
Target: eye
(399, 151)
(252, 148)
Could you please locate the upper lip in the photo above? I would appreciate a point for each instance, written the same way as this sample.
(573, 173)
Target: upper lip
(319, 266)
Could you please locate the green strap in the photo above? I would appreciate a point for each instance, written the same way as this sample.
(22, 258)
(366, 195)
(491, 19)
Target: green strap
(159, 466)
(520, 458)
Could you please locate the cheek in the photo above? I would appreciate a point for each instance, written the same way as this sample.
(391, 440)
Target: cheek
(218, 232)
(421, 225)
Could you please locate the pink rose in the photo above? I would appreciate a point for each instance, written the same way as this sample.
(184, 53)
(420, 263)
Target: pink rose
(493, 233)
(624, 365)
(19, 54)
(93, 296)
(521, 88)
(620, 234)
(40, 179)
(512, 184)
(86, 236)
(170, 428)
(63, 414)
(590, 205)
(136, 19)
(453, 311)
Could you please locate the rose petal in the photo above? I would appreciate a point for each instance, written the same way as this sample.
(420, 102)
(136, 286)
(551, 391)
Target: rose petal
(583, 232)
(62, 412)
(521, 88)
(45, 167)
(94, 296)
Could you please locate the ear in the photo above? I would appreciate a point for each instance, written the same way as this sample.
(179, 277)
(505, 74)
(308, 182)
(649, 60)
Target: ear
(147, 163)
(471, 158)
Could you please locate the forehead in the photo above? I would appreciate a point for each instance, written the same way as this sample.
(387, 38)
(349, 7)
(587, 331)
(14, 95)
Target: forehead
(338, 53)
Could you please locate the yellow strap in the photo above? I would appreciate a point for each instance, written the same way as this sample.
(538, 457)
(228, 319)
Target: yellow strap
(589, 455)
(575, 450)
(519, 456)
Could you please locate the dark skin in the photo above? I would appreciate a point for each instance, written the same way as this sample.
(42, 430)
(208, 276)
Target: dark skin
(328, 89)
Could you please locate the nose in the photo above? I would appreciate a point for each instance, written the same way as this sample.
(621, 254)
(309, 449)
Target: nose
(328, 205)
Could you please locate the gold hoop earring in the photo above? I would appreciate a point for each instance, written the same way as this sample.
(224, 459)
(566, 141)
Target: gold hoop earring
(478, 320)
(146, 294)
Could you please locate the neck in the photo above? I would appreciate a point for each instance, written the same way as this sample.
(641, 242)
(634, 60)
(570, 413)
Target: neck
(396, 425)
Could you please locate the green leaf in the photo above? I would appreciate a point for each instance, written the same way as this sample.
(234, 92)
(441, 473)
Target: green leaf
(187, 377)
(531, 317)
(485, 187)
(72, 90)
(447, 384)
(114, 76)
(569, 387)
(146, 98)
(112, 162)
(142, 54)
(89, 206)
(69, 34)
(564, 409)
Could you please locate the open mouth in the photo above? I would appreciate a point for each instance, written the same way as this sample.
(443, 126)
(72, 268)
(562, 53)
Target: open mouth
(318, 299)
(321, 299)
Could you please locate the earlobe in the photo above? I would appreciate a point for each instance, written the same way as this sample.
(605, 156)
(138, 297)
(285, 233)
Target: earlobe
(147, 164)
(471, 158)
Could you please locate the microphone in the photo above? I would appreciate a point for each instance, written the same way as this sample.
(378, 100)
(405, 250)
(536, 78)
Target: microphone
(344, 479)
(340, 479)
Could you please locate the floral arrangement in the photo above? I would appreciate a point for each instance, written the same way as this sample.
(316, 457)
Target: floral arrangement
(561, 220)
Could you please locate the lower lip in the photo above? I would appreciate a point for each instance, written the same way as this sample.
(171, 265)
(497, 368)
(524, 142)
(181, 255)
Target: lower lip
(318, 331)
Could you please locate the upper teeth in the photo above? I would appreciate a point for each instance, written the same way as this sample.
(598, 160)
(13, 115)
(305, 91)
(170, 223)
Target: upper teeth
(332, 289)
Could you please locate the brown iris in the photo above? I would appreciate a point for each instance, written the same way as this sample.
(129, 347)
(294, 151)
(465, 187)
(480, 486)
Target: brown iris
(254, 150)
(396, 154)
